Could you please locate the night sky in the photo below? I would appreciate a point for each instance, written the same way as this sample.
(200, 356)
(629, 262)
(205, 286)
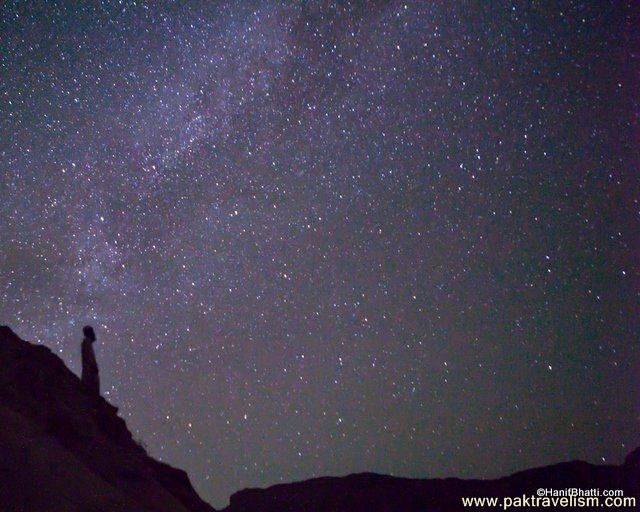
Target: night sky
(320, 238)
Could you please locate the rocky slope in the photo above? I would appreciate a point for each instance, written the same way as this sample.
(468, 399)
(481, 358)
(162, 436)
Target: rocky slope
(63, 450)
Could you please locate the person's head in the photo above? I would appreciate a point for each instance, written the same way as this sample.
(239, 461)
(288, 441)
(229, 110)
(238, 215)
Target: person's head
(89, 333)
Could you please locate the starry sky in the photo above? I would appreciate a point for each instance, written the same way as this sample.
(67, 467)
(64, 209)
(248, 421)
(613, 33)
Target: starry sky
(320, 238)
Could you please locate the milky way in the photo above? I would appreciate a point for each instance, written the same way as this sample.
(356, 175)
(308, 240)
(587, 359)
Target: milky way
(326, 238)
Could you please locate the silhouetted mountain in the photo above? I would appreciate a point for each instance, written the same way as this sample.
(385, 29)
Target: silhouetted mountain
(62, 449)
(368, 492)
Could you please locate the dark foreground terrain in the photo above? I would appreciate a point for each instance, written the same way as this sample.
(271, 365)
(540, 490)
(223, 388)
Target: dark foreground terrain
(371, 492)
(63, 450)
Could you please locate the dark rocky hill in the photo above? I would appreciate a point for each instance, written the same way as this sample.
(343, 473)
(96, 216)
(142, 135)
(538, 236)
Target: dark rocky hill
(64, 450)
(367, 492)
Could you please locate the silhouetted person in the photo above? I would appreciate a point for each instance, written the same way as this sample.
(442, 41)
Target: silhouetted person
(90, 379)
